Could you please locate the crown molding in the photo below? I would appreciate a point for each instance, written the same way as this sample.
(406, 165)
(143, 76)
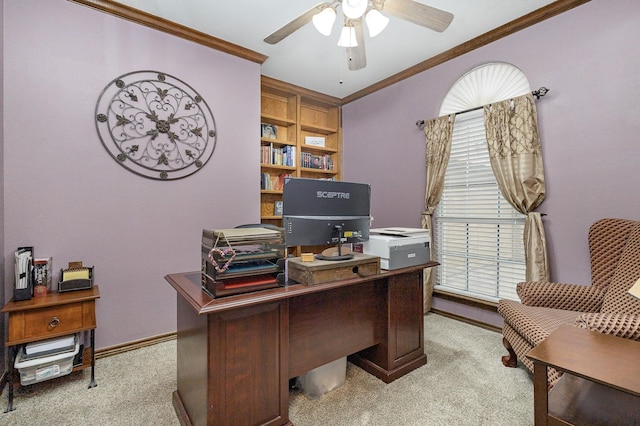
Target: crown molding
(143, 18)
(505, 30)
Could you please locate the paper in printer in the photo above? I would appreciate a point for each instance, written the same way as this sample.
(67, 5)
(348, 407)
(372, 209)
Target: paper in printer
(398, 247)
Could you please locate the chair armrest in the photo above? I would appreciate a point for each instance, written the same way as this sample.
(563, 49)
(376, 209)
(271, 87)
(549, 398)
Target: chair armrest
(619, 325)
(570, 297)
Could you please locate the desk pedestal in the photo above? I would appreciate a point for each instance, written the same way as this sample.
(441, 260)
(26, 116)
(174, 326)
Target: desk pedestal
(237, 354)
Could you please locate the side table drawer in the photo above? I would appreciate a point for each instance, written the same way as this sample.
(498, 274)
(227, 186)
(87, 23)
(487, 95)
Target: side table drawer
(51, 321)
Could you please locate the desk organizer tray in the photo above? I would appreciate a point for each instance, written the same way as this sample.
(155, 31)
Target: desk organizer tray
(238, 285)
(243, 277)
(242, 260)
(75, 279)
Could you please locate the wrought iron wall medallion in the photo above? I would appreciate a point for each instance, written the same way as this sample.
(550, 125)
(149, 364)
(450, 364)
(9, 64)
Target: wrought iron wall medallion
(155, 125)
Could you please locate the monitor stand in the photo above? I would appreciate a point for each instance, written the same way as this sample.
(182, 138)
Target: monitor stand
(340, 256)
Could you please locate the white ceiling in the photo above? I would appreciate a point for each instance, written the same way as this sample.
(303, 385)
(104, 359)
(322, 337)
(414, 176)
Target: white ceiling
(308, 59)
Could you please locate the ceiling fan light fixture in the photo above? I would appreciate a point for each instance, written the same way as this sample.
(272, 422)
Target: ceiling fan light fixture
(376, 22)
(324, 20)
(348, 37)
(354, 9)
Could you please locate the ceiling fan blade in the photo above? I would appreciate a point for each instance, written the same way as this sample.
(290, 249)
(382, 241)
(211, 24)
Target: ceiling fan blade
(356, 55)
(418, 13)
(297, 23)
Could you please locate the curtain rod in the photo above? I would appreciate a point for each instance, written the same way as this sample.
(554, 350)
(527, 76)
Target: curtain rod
(537, 93)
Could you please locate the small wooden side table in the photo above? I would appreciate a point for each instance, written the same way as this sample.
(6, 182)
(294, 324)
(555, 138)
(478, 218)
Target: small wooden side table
(601, 380)
(53, 315)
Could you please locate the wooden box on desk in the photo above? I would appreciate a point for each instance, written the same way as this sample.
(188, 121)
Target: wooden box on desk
(322, 271)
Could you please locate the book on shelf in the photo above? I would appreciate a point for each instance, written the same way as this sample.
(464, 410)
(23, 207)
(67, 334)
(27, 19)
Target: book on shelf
(313, 161)
(291, 156)
(279, 156)
(274, 182)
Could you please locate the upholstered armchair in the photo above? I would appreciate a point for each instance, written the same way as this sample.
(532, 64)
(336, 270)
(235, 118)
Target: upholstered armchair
(604, 306)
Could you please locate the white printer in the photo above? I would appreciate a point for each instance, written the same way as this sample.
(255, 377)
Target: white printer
(398, 247)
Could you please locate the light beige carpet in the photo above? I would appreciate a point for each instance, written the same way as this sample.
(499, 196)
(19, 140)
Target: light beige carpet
(463, 383)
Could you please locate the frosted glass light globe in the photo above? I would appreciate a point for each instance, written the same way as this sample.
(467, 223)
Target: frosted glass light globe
(354, 8)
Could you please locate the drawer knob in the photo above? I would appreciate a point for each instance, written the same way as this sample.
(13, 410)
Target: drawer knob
(54, 322)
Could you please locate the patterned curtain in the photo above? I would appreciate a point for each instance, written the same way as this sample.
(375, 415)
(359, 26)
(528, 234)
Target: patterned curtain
(516, 159)
(438, 136)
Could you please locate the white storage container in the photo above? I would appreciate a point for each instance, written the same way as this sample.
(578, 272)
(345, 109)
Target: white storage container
(323, 379)
(44, 368)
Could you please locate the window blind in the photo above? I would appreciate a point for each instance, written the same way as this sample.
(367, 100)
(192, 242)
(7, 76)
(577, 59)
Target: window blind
(478, 235)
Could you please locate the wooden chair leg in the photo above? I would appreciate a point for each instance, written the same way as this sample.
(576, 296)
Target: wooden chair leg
(510, 360)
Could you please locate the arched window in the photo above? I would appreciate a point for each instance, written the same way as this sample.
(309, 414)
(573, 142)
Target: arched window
(478, 235)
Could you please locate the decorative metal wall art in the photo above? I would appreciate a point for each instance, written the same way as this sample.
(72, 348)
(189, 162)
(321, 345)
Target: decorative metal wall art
(155, 125)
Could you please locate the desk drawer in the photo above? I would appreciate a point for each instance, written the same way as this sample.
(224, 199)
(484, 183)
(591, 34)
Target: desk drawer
(51, 321)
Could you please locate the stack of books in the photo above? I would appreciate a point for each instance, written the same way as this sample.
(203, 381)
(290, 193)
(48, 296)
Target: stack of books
(241, 260)
(280, 156)
(271, 182)
(312, 161)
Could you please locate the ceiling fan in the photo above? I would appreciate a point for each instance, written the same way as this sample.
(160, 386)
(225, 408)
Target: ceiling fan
(356, 13)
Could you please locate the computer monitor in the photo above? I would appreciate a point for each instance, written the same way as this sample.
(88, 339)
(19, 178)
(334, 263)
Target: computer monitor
(325, 212)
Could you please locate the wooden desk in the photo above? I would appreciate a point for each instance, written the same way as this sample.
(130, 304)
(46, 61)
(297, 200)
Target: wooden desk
(236, 354)
(53, 315)
(601, 383)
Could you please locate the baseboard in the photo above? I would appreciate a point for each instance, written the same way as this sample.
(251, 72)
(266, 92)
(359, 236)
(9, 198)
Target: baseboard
(467, 320)
(137, 344)
(466, 300)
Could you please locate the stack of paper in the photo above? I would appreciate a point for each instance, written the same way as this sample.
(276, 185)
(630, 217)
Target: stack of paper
(50, 347)
(75, 274)
(239, 235)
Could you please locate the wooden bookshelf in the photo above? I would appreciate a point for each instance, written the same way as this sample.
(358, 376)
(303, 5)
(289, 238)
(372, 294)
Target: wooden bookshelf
(299, 116)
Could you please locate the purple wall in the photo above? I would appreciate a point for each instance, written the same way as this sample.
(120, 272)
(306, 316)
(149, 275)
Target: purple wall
(66, 196)
(589, 124)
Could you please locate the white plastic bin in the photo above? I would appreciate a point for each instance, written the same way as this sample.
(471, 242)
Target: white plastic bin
(323, 379)
(44, 368)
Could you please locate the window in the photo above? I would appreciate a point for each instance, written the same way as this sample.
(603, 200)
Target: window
(478, 235)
